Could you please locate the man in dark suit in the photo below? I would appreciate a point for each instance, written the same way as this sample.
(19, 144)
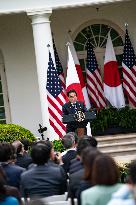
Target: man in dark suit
(71, 108)
(45, 178)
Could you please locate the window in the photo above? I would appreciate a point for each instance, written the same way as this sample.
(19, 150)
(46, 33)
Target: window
(98, 34)
(4, 102)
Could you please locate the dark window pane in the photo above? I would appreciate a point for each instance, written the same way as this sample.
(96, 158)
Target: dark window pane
(87, 32)
(104, 43)
(113, 34)
(0, 87)
(117, 42)
(78, 46)
(119, 59)
(2, 121)
(97, 40)
(101, 40)
(2, 113)
(1, 100)
(80, 38)
(82, 64)
(104, 30)
(96, 29)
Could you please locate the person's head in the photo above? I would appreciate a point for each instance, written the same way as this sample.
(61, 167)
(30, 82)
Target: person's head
(104, 171)
(93, 142)
(84, 142)
(41, 152)
(72, 95)
(19, 147)
(132, 172)
(26, 144)
(88, 157)
(6, 152)
(68, 141)
(75, 136)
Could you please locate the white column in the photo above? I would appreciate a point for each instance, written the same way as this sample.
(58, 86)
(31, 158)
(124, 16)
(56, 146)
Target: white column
(42, 37)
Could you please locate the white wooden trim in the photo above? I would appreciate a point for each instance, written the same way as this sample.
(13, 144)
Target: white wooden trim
(5, 93)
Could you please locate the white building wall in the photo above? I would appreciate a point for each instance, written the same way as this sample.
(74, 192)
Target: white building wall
(16, 43)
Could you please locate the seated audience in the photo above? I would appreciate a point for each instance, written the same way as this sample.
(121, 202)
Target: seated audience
(12, 171)
(22, 157)
(45, 178)
(76, 164)
(104, 178)
(68, 142)
(76, 171)
(6, 199)
(126, 195)
(88, 158)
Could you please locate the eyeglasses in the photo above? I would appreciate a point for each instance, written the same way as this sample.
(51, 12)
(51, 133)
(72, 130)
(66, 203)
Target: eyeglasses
(70, 96)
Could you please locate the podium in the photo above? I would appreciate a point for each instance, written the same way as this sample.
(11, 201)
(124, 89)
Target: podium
(90, 115)
(80, 126)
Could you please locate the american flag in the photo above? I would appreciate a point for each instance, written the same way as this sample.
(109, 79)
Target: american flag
(56, 98)
(129, 70)
(94, 81)
(59, 66)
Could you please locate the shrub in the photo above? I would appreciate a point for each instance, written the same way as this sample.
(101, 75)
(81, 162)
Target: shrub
(11, 132)
(58, 146)
(123, 169)
(107, 117)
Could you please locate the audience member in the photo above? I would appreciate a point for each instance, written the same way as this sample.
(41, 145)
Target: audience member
(104, 177)
(4, 198)
(22, 157)
(88, 158)
(76, 171)
(26, 144)
(126, 195)
(76, 164)
(12, 171)
(45, 178)
(68, 142)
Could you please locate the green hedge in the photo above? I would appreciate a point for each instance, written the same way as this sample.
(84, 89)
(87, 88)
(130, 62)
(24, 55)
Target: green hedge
(124, 118)
(58, 146)
(11, 132)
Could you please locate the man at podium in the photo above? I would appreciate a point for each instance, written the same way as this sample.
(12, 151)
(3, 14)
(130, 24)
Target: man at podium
(69, 112)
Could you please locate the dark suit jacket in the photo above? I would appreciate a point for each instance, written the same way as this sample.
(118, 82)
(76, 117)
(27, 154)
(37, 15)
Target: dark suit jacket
(71, 154)
(13, 173)
(23, 160)
(68, 108)
(74, 183)
(45, 180)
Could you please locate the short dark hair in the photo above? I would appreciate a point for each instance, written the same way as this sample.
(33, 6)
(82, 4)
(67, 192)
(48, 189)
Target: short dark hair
(71, 91)
(105, 171)
(26, 144)
(6, 151)
(84, 142)
(41, 152)
(88, 157)
(18, 146)
(132, 171)
(68, 140)
(92, 140)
